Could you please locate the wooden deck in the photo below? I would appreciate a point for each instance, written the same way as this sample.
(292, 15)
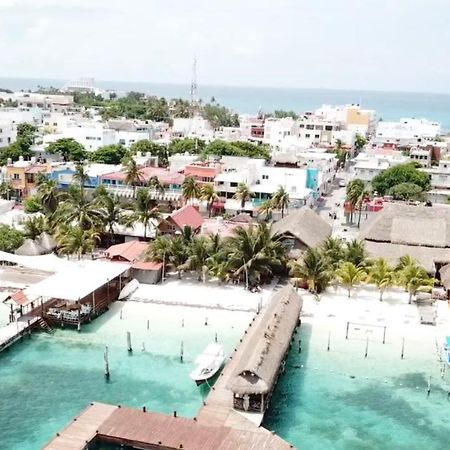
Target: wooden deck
(15, 331)
(218, 410)
(83, 429)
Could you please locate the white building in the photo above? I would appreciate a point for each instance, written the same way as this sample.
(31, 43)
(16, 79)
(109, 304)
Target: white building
(92, 136)
(8, 133)
(440, 182)
(369, 165)
(21, 115)
(351, 117)
(406, 132)
(192, 127)
(41, 101)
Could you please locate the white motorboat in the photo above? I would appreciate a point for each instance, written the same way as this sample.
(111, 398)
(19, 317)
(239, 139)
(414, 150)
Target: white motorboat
(446, 350)
(208, 363)
(128, 289)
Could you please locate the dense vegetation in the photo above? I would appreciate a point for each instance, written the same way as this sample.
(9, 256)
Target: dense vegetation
(22, 145)
(402, 173)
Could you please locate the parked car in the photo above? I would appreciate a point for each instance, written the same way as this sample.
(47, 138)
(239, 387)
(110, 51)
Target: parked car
(341, 183)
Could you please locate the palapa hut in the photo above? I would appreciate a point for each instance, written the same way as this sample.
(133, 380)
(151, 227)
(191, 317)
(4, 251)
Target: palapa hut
(422, 232)
(30, 248)
(302, 229)
(257, 371)
(47, 242)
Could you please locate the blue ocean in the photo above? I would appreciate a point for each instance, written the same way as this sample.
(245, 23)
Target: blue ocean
(389, 105)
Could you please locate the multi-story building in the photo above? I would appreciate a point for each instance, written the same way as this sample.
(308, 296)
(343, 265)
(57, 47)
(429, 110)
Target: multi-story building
(41, 101)
(406, 132)
(23, 176)
(252, 128)
(8, 133)
(20, 115)
(370, 164)
(351, 117)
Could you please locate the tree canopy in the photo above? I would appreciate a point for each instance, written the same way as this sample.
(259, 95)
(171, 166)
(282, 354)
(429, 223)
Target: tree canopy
(10, 239)
(239, 148)
(22, 145)
(402, 173)
(407, 191)
(68, 148)
(109, 154)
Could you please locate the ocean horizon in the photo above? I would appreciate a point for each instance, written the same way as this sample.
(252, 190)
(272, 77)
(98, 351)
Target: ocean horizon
(390, 106)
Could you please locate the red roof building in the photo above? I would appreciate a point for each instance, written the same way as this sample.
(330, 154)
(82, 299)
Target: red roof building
(128, 251)
(187, 216)
(203, 172)
(164, 176)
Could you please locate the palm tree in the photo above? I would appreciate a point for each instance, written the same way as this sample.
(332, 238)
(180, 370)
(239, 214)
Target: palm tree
(341, 152)
(48, 194)
(6, 190)
(333, 251)
(77, 210)
(190, 188)
(414, 278)
(243, 194)
(266, 208)
(76, 241)
(355, 252)
(81, 176)
(382, 274)
(133, 175)
(155, 184)
(178, 254)
(198, 256)
(281, 199)
(255, 252)
(405, 261)
(209, 195)
(160, 251)
(145, 210)
(34, 226)
(355, 193)
(350, 275)
(112, 213)
(313, 268)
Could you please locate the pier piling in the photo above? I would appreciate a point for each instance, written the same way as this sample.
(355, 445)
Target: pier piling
(299, 345)
(346, 332)
(129, 347)
(367, 347)
(329, 338)
(206, 321)
(120, 314)
(403, 348)
(105, 357)
(384, 335)
(429, 385)
(181, 351)
(148, 324)
(182, 323)
(215, 337)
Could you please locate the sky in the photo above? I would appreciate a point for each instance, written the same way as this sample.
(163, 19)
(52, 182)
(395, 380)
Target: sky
(337, 44)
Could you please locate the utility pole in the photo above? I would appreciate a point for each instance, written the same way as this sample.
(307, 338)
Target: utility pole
(193, 90)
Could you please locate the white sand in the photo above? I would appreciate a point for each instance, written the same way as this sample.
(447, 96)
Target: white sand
(190, 292)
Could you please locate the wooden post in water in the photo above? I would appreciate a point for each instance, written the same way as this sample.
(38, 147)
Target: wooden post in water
(403, 347)
(346, 333)
(129, 347)
(181, 351)
(148, 324)
(299, 345)
(384, 335)
(105, 357)
(329, 338)
(429, 386)
(367, 346)
(182, 323)
(215, 338)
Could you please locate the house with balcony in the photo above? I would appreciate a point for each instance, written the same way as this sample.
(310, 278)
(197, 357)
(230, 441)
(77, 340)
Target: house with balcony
(23, 176)
(177, 221)
(204, 172)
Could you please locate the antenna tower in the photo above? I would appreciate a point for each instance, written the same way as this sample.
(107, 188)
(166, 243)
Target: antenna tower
(194, 88)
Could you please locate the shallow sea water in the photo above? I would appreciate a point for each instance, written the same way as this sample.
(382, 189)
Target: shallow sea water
(48, 379)
(341, 400)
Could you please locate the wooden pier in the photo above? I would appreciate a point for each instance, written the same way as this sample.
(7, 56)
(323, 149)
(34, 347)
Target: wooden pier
(14, 331)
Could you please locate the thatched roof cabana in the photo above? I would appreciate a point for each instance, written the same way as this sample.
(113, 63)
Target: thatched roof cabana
(422, 232)
(444, 273)
(257, 371)
(30, 248)
(305, 225)
(47, 242)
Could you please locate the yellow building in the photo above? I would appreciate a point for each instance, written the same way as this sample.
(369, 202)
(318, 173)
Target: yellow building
(23, 176)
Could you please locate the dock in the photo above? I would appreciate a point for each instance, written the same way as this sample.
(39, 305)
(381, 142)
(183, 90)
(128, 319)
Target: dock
(83, 428)
(14, 331)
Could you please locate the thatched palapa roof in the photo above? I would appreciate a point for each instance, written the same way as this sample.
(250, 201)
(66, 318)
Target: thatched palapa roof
(258, 369)
(30, 248)
(47, 242)
(422, 232)
(444, 273)
(305, 225)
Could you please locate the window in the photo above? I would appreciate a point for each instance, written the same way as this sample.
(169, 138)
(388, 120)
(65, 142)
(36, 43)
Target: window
(16, 176)
(329, 127)
(307, 135)
(265, 177)
(317, 136)
(233, 184)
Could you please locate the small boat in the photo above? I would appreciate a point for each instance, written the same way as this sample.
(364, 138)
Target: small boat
(128, 289)
(446, 350)
(208, 363)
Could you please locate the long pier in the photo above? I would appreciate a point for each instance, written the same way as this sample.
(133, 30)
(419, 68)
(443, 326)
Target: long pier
(15, 331)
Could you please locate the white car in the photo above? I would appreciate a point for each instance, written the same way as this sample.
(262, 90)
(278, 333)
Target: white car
(341, 183)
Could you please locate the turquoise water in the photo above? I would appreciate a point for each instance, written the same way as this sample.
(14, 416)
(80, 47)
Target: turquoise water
(48, 379)
(389, 105)
(317, 404)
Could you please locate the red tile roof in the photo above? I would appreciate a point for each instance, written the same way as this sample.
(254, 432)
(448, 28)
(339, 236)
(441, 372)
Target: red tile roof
(186, 216)
(36, 169)
(163, 175)
(19, 297)
(131, 251)
(146, 265)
